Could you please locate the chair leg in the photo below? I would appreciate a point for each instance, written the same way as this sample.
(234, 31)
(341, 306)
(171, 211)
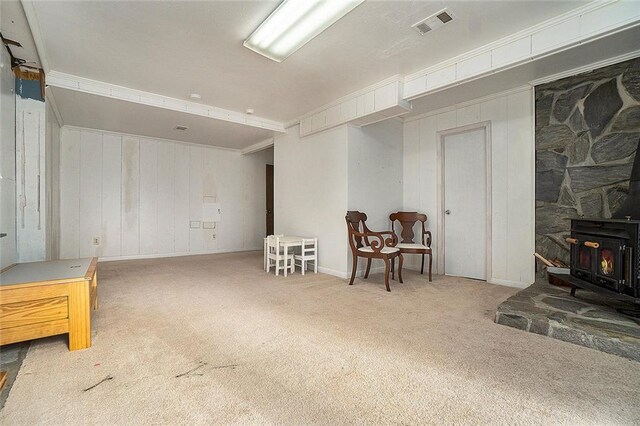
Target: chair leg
(422, 267)
(285, 264)
(303, 265)
(387, 266)
(393, 268)
(315, 265)
(353, 270)
(366, 273)
(400, 260)
(430, 259)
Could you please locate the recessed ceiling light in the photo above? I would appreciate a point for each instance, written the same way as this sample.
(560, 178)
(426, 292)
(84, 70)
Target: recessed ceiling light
(181, 128)
(294, 23)
(195, 96)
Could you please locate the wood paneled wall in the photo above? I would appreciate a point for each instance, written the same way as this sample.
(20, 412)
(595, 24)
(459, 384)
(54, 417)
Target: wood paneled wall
(513, 173)
(138, 196)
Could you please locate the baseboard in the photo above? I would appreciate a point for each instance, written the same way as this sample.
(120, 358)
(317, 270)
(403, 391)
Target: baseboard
(161, 255)
(333, 272)
(347, 275)
(508, 283)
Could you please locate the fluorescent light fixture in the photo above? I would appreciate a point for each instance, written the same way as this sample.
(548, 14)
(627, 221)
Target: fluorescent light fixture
(294, 23)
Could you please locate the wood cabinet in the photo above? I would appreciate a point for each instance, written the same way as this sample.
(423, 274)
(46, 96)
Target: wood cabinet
(42, 299)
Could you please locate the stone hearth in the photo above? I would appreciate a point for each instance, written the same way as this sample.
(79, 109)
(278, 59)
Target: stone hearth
(589, 319)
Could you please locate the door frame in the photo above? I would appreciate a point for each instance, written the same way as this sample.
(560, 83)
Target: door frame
(272, 188)
(486, 126)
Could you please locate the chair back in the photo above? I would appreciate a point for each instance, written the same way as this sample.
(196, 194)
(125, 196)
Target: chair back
(309, 246)
(356, 224)
(407, 222)
(273, 242)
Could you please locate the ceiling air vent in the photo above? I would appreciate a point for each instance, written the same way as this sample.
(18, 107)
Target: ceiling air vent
(422, 28)
(433, 22)
(181, 128)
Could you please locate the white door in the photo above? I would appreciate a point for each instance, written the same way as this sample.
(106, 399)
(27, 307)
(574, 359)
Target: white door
(465, 204)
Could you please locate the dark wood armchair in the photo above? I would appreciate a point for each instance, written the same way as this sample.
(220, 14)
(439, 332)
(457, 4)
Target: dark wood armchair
(407, 245)
(371, 245)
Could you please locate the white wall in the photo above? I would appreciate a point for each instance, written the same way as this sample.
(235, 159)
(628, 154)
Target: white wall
(138, 196)
(375, 171)
(8, 248)
(513, 161)
(52, 148)
(31, 182)
(319, 177)
(375, 174)
(310, 192)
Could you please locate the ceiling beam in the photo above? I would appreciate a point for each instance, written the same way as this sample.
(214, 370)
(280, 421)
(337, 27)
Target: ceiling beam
(108, 90)
(34, 26)
(588, 23)
(265, 144)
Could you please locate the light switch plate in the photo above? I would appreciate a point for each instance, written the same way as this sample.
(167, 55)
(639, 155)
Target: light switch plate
(194, 224)
(208, 225)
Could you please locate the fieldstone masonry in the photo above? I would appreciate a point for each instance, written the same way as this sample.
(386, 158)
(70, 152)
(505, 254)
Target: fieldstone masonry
(587, 132)
(590, 319)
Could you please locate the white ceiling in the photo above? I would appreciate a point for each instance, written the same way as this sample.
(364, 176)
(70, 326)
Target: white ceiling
(97, 112)
(175, 48)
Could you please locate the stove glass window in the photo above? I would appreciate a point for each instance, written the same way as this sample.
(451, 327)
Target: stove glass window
(584, 258)
(607, 262)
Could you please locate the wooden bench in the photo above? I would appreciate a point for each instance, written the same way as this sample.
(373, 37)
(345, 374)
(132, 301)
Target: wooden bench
(42, 299)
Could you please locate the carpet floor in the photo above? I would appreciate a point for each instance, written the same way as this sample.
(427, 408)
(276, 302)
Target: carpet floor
(216, 340)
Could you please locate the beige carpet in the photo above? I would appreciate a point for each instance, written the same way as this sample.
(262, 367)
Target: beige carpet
(215, 340)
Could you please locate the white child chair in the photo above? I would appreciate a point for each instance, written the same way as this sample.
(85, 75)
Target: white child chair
(277, 257)
(308, 253)
(266, 249)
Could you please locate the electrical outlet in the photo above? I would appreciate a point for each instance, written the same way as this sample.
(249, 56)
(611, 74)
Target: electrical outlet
(213, 236)
(96, 241)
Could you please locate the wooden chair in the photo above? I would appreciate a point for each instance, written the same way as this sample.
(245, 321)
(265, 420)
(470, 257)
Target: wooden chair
(407, 245)
(308, 253)
(376, 248)
(277, 257)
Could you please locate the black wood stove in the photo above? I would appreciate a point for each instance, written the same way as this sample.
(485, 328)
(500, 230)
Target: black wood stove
(605, 253)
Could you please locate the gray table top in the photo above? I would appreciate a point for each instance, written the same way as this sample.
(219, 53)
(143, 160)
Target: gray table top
(45, 271)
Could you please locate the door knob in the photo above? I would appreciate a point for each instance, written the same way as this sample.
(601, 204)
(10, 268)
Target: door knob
(447, 211)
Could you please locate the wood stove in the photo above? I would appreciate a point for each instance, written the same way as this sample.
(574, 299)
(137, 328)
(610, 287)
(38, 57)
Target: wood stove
(605, 253)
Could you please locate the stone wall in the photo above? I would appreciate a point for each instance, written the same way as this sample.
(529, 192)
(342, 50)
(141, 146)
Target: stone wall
(587, 132)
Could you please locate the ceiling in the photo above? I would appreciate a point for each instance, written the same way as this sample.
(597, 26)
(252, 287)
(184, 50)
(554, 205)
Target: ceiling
(176, 48)
(97, 112)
